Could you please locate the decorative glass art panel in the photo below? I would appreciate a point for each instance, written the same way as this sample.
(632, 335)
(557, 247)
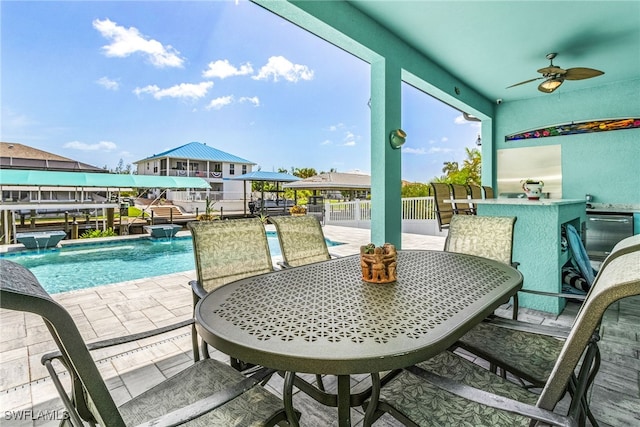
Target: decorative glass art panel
(576, 128)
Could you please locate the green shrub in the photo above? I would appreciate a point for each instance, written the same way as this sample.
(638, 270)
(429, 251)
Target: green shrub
(90, 234)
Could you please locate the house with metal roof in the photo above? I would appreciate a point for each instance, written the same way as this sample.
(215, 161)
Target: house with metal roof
(196, 159)
(19, 156)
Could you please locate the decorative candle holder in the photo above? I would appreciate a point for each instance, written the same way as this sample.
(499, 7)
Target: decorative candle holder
(378, 263)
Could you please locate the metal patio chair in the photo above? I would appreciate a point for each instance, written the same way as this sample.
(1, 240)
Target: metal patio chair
(301, 240)
(476, 193)
(461, 192)
(226, 251)
(451, 390)
(488, 192)
(486, 236)
(506, 343)
(207, 393)
(443, 210)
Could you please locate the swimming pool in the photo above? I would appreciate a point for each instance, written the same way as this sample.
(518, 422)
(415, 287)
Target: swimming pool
(83, 266)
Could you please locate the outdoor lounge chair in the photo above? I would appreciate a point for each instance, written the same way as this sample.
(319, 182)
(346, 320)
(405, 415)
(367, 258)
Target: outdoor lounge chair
(226, 251)
(450, 390)
(443, 210)
(301, 240)
(208, 392)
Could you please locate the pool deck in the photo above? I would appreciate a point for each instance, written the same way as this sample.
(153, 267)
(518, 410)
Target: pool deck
(129, 307)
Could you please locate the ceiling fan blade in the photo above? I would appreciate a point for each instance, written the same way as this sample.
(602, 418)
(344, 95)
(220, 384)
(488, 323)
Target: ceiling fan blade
(549, 89)
(582, 73)
(552, 70)
(526, 81)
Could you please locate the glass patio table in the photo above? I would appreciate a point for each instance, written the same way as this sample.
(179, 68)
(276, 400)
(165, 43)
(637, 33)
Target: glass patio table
(322, 318)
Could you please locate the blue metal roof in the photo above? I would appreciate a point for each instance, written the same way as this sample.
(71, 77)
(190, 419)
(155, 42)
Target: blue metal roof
(266, 176)
(199, 151)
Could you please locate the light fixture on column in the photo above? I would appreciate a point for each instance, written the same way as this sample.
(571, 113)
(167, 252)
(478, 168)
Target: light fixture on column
(479, 141)
(397, 138)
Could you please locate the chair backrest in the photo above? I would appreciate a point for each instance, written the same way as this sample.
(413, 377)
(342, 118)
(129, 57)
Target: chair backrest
(485, 236)
(475, 191)
(624, 246)
(21, 291)
(301, 239)
(460, 192)
(488, 192)
(620, 279)
(229, 250)
(444, 210)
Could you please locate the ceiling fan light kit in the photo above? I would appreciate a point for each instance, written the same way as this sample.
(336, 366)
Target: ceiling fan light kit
(550, 85)
(554, 76)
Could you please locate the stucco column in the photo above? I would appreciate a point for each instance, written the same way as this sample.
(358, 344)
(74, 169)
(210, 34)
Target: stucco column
(386, 103)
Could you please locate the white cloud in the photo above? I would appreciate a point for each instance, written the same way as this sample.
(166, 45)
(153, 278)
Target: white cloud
(100, 146)
(409, 150)
(334, 128)
(127, 41)
(108, 83)
(349, 139)
(223, 69)
(444, 139)
(183, 90)
(253, 100)
(434, 150)
(326, 142)
(280, 67)
(218, 103)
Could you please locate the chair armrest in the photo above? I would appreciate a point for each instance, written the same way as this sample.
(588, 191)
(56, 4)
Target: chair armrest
(283, 264)
(197, 289)
(209, 403)
(495, 401)
(332, 255)
(123, 340)
(554, 294)
(551, 331)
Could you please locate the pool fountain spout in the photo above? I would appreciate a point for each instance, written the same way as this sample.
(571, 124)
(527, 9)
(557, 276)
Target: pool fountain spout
(40, 239)
(162, 230)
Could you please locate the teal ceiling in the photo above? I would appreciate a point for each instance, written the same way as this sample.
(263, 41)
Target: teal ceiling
(490, 45)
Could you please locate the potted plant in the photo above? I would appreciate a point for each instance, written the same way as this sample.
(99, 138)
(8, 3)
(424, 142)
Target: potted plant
(208, 211)
(298, 210)
(532, 188)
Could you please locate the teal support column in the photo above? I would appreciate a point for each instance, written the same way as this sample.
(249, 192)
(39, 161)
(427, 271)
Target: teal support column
(386, 203)
(489, 169)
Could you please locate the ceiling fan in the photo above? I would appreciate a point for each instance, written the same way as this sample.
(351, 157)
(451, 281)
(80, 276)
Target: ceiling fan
(554, 76)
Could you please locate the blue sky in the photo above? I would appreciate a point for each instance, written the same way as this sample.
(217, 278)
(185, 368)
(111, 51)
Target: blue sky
(103, 81)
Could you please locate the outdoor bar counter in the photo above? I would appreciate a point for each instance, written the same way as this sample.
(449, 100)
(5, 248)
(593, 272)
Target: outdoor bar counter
(537, 242)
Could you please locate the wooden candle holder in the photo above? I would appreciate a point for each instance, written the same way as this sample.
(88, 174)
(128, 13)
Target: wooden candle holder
(378, 263)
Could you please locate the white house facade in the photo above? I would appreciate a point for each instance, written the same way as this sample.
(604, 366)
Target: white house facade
(196, 159)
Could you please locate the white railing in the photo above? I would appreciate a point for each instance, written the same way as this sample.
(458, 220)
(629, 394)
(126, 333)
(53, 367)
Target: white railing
(412, 208)
(418, 208)
(418, 215)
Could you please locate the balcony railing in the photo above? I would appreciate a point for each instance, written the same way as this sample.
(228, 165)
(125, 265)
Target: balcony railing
(198, 174)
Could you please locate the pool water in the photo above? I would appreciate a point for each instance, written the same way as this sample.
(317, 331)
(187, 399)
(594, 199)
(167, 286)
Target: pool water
(81, 266)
